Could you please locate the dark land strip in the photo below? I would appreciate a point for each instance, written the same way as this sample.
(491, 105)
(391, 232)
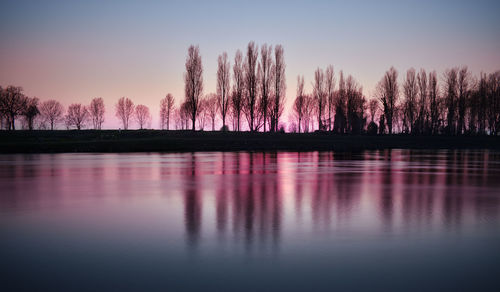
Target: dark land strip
(186, 141)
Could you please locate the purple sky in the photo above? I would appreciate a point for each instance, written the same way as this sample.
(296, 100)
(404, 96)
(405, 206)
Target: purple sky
(73, 51)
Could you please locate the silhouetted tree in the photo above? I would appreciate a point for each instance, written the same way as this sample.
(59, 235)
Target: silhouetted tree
(12, 104)
(51, 112)
(372, 128)
(223, 87)
(203, 116)
(330, 93)
(356, 104)
(166, 108)
(185, 115)
(265, 76)
(410, 89)
(142, 115)
(373, 107)
(310, 106)
(279, 81)
(251, 82)
(423, 112)
(450, 89)
(77, 116)
(482, 93)
(31, 111)
(388, 93)
(434, 102)
(212, 107)
(96, 110)
(319, 96)
(237, 101)
(339, 125)
(3, 115)
(381, 123)
(463, 97)
(193, 79)
(299, 105)
(124, 110)
(182, 117)
(494, 103)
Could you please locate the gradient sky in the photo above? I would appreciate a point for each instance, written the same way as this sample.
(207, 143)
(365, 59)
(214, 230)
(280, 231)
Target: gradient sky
(74, 51)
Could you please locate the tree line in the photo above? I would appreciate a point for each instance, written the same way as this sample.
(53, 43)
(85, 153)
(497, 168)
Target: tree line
(250, 95)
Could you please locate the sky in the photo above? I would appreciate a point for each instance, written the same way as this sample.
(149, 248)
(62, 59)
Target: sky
(73, 51)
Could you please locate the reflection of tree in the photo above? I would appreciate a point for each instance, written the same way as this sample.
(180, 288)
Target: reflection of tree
(348, 185)
(418, 190)
(321, 195)
(485, 164)
(192, 204)
(256, 199)
(299, 186)
(387, 187)
(453, 196)
(336, 184)
(221, 198)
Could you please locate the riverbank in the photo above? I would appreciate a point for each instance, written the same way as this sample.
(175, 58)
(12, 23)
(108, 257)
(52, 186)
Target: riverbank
(182, 141)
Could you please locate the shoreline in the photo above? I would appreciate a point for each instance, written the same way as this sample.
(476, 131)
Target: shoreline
(106, 141)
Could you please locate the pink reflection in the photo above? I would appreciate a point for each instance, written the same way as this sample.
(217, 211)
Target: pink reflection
(255, 200)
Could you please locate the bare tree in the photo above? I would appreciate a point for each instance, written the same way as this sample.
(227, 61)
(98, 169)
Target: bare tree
(52, 112)
(463, 96)
(433, 102)
(251, 82)
(223, 87)
(96, 110)
(300, 102)
(493, 112)
(319, 95)
(265, 79)
(451, 83)
(330, 93)
(410, 88)
(12, 104)
(31, 111)
(356, 106)
(77, 116)
(373, 106)
(166, 108)
(238, 88)
(3, 115)
(422, 115)
(142, 115)
(482, 92)
(388, 93)
(203, 114)
(212, 107)
(339, 125)
(279, 79)
(310, 106)
(124, 110)
(193, 79)
(182, 117)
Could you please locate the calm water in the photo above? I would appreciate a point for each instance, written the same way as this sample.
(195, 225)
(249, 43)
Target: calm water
(380, 220)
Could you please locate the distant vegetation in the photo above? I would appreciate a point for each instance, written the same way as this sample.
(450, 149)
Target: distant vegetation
(250, 95)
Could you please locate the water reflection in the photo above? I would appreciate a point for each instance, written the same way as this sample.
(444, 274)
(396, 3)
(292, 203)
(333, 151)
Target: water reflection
(252, 194)
(283, 218)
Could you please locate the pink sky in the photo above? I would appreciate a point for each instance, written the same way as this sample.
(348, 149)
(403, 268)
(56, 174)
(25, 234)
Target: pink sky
(74, 52)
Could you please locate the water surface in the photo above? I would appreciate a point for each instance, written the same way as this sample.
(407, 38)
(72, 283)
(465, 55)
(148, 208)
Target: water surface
(239, 221)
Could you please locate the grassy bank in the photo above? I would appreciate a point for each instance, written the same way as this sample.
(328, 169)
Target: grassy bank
(178, 141)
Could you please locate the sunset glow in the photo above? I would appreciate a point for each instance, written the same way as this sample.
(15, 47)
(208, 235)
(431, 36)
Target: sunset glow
(73, 52)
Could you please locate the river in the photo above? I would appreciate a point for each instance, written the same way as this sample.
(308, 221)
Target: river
(400, 220)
